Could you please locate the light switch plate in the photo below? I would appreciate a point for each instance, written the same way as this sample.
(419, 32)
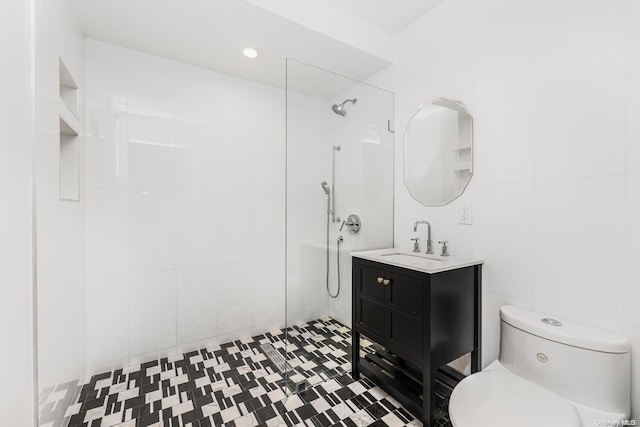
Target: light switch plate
(464, 215)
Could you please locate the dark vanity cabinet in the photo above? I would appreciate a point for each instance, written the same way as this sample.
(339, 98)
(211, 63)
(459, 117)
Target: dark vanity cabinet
(421, 322)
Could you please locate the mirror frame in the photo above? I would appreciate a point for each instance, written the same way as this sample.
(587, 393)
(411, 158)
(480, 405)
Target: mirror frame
(451, 104)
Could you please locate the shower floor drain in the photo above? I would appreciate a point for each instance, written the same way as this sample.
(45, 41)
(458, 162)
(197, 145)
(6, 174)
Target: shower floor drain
(280, 363)
(274, 355)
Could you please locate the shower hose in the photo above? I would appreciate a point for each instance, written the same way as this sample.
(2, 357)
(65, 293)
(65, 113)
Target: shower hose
(338, 241)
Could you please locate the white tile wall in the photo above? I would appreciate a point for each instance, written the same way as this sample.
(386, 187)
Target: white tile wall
(633, 90)
(152, 230)
(506, 212)
(504, 125)
(60, 225)
(17, 392)
(107, 219)
(151, 150)
(196, 155)
(308, 141)
(235, 284)
(105, 127)
(151, 81)
(570, 253)
(197, 298)
(107, 318)
(106, 72)
(632, 252)
(185, 189)
(578, 133)
(152, 311)
(364, 185)
(555, 92)
(196, 229)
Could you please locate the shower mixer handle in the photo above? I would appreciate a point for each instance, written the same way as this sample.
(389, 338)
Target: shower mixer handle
(353, 223)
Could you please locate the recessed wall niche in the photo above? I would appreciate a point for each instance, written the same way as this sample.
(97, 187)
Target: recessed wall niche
(68, 90)
(69, 137)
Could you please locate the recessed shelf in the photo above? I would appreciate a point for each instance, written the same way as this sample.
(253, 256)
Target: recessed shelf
(69, 125)
(69, 161)
(463, 166)
(468, 147)
(68, 89)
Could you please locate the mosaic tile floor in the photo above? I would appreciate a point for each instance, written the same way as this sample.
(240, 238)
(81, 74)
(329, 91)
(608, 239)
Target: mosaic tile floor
(235, 384)
(318, 351)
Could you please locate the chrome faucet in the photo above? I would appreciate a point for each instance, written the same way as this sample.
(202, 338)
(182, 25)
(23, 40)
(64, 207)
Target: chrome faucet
(429, 242)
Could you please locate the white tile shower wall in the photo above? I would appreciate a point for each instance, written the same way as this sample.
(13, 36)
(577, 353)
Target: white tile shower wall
(60, 224)
(364, 184)
(364, 181)
(308, 164)
(184, 205)
(554, 87)
(16, 393)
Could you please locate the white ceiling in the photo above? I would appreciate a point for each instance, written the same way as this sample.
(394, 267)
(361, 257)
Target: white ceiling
(390, 16)
(353, 38)
(212, 34)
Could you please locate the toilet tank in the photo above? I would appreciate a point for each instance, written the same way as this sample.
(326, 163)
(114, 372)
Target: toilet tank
(582, 364)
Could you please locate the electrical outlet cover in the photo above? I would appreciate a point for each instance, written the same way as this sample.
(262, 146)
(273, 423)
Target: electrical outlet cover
(464, 215)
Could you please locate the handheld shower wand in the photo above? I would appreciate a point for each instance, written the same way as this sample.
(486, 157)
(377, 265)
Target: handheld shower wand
(327, 191)
(325, 187)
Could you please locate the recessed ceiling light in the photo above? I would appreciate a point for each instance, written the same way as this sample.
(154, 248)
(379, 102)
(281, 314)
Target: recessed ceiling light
(250, 52)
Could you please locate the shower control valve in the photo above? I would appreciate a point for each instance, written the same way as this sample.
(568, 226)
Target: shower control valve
(352, 222)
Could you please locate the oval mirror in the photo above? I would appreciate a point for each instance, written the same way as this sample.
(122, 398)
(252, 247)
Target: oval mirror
(438, 152)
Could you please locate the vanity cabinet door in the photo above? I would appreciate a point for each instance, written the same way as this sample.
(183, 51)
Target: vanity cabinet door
(370, 310)
(370, 284)
(373, 319)
(405, 302)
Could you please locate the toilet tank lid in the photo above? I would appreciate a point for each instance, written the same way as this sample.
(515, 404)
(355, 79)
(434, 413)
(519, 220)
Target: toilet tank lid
(564, 331)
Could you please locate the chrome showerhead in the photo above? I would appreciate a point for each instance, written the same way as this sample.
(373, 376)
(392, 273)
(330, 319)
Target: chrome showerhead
(325, 187)
(339, 108)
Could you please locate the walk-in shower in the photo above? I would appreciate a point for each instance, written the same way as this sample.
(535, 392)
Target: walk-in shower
(138, 184)
(353, 212)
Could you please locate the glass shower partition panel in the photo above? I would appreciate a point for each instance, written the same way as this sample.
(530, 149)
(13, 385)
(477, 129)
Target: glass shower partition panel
(339, 200)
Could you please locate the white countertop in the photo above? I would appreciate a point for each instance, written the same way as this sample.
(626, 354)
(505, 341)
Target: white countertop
(417, 261)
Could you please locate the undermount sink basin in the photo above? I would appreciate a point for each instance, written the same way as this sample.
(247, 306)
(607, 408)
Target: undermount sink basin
(410, 258)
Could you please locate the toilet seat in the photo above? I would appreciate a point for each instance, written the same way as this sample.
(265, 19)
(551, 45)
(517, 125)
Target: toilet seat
(499, 398)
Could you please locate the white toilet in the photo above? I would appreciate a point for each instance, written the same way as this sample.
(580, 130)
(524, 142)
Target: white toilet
(551, 372)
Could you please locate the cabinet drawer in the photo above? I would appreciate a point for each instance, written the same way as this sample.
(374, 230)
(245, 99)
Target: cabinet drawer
(369, 286)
